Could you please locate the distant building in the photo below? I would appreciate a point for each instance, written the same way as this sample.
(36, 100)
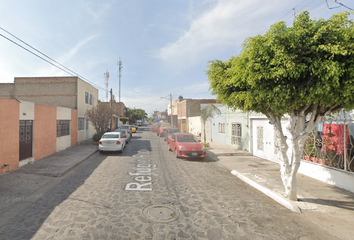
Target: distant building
(187, 108)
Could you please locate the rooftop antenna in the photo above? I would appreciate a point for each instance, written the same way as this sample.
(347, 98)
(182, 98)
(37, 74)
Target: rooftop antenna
(106, 76)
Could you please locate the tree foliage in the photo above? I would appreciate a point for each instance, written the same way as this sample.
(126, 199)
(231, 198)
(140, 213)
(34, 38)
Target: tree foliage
(309, 65)
(124, 119)
(100, 116)
(304, 71)
(135, 114)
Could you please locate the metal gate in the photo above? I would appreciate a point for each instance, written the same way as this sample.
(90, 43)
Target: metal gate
(26, 133)
(236, 135)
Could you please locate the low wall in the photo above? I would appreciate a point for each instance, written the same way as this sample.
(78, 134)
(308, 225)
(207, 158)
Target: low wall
(335, 177)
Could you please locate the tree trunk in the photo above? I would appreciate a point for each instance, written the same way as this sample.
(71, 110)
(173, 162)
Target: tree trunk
(299, 128)
(290, 165)
(204, 133)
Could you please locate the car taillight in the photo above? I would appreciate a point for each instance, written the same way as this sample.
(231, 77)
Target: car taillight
(118, 142)
(99, 142)
(126, 136)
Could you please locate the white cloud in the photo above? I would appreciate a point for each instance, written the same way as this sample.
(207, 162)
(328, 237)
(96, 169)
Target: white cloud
(226, 24)
(65, 57)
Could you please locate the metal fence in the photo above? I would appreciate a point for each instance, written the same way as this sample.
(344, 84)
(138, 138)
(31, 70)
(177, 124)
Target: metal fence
(332, 142)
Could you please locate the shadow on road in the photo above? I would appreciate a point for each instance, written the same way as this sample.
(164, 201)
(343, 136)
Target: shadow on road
(25, 225)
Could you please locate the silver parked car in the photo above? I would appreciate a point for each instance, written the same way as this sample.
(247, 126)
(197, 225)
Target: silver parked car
(125, 134)
(127, 127)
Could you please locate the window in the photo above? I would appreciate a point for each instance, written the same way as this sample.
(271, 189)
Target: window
(91, 99)
(63, 128)
(86, 97)
(221, 127)
(81, 123)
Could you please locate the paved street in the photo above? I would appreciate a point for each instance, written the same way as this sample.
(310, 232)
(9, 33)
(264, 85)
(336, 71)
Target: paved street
(146, 193)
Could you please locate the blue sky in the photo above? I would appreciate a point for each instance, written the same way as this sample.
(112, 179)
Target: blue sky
(164, 44)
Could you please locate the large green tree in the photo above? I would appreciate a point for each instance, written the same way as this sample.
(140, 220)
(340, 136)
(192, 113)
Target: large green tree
(135, 114)
(303, 72)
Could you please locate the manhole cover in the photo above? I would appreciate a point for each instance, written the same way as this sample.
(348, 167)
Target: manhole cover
(161, 213)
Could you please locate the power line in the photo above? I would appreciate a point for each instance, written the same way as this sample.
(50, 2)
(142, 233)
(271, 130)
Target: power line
(34, 54)
(69, 71)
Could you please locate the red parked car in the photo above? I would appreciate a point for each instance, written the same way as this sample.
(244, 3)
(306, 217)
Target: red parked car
(185, 145)
(155, 127)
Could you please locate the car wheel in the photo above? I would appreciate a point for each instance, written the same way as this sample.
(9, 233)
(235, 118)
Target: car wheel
(100, 152)
(176, 152)
(168, 147)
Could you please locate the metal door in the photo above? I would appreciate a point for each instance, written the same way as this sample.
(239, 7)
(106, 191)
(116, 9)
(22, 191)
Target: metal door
(236, 135)
(26, 135)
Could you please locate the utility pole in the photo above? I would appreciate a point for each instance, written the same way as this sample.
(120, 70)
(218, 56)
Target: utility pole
(171, 109)
(120, 66)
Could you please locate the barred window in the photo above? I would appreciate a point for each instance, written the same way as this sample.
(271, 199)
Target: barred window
(221, 127)
(63, 128)
(81, 123)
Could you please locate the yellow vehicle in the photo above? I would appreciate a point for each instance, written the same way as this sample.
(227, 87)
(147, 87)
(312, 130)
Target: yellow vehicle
(133, 129)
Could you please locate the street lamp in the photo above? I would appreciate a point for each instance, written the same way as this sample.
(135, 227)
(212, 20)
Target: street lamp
(170, 108)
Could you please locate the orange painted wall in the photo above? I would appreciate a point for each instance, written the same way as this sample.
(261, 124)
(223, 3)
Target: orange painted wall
(45, 131)
(73, 127)
(9, 134)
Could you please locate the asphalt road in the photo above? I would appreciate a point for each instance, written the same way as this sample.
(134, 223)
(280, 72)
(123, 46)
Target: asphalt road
(146, 193)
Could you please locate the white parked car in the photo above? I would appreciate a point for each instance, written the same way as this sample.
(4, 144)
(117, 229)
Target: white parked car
(111, 141)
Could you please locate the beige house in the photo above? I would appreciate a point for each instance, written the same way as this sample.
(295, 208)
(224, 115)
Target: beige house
(67, 92)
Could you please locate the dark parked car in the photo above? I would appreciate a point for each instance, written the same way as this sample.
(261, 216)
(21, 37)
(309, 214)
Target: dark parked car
(169, 132)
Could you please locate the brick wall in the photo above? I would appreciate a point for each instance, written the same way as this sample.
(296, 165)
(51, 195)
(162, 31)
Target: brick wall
(6, 90)
(45, 130)
(181, 109)
(53, 91)
(118, 107)
(9, 134)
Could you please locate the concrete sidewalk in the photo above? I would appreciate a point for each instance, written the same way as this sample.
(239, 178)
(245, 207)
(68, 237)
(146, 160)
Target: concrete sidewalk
(324, 205)
(22, 186)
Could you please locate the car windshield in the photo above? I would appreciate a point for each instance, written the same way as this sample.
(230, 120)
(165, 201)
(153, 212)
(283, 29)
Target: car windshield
(111, 136)
(186, 138)
(124, 127)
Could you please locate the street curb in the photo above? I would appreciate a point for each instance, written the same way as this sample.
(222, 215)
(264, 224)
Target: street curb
(73, 166)
(278, 198)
